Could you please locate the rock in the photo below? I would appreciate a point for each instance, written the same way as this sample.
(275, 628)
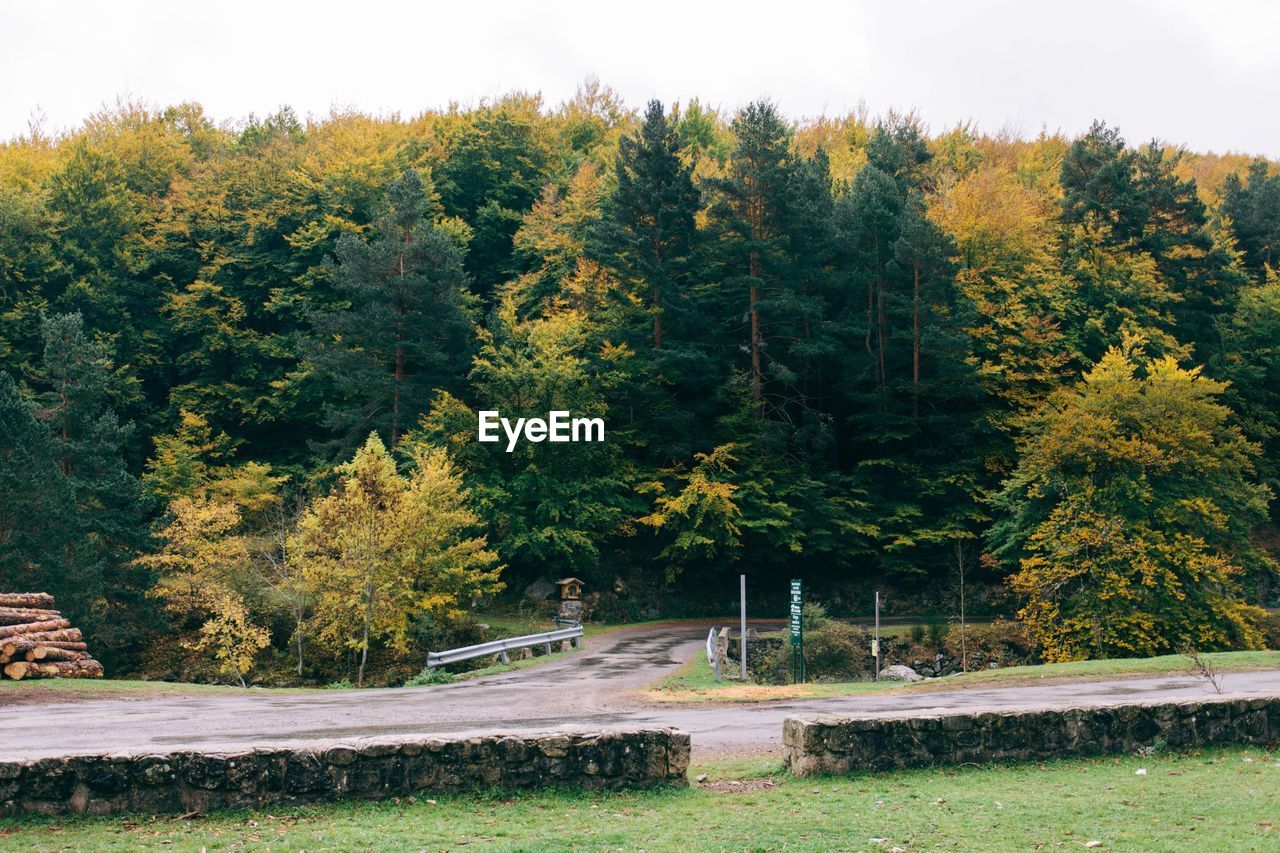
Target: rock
(702, 777)
(540, 590)
(898, 672)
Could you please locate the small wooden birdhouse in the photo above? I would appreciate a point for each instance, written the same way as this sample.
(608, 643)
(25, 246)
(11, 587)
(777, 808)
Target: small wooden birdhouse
(570, 589)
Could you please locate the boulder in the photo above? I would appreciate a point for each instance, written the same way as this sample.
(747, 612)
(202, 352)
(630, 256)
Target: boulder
(898, 672)
(540, 590)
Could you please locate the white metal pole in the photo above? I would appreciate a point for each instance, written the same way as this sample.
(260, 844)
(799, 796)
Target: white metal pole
(742, 594)
(877, 635)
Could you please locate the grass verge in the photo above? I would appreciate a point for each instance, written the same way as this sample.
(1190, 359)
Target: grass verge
(1060, 805)
(694, 682)
(45, 691)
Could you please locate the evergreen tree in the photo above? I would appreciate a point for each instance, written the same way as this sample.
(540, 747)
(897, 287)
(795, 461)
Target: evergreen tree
(37, 510)
(1129, 209)
(650, 231)
(1250, 362)
(751, 217)
(404, 329)
(98, 583)
(1253, 207)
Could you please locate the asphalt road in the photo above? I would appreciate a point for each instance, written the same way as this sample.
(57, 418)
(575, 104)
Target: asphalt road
(597, 688)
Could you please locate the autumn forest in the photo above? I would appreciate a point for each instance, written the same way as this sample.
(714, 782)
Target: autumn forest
(241, 364)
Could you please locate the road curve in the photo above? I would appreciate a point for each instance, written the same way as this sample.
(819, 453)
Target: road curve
(596, 689)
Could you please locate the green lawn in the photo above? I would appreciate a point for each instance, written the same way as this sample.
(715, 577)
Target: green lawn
(1220, 800)
(694, 682)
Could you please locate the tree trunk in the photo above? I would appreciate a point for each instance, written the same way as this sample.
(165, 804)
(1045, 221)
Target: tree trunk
(657, 291)
(398, 381)
(33, 627)
(757, 373)
(26, 599)
(915, 341)
(657, 318)
(880, 330)
(399, 378)
(298, 633)
(364, 644)
(11, 648)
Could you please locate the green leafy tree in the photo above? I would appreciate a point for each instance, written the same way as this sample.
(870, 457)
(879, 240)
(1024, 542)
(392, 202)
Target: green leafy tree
(1250, 362)
(547, 504)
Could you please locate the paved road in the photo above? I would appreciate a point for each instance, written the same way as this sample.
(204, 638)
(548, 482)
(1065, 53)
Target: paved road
(598, 688)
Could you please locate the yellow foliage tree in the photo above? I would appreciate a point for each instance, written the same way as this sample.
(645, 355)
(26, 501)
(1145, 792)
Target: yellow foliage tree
(380, 549)
(229, 635)
(1130, 515)
(198, 564)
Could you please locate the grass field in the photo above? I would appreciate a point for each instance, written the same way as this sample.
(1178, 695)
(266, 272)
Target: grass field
(695, 682)
(1221, 800)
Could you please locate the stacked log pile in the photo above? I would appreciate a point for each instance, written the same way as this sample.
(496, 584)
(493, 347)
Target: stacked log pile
(36, 642)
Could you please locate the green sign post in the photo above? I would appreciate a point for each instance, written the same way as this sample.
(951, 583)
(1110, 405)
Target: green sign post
(797, 633)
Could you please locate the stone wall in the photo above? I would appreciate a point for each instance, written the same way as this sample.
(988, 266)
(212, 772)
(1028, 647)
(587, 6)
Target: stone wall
(825, 744)
(192, 781)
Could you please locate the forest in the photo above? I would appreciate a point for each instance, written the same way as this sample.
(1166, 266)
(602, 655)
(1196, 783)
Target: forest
(241, 364)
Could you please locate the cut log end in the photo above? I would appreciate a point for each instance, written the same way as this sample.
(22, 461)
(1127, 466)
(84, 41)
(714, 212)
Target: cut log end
(37, 642)
(87, 668)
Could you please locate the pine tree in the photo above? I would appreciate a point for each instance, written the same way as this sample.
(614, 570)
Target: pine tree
(37, 508)
(1253, 208)
(650, 231)
(404, 329)
(751, 213)
(100, 586)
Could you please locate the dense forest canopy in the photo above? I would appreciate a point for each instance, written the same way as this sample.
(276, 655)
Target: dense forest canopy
(831, 349)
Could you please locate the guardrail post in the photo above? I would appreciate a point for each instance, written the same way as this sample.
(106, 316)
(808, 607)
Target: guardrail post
(502, 657)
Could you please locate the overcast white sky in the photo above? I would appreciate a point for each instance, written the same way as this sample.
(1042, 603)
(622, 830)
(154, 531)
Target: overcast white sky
(1203, 74)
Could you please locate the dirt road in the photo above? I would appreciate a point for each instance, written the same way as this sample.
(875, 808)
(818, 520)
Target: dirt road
(598, 688)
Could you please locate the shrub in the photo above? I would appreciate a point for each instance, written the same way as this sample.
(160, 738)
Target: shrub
(833, 651)
(430, 675)
(1001, 642)
(1270, 627)
(836, 652)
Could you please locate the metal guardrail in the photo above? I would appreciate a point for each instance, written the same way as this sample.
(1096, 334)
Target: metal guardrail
(501, 647)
